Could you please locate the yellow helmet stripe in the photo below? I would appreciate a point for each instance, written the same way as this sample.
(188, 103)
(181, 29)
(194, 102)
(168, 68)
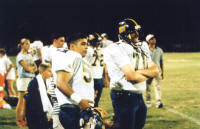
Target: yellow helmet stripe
(133, 21)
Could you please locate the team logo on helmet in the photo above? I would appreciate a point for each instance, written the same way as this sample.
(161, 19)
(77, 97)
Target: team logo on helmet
(127, 27)
(122, 29)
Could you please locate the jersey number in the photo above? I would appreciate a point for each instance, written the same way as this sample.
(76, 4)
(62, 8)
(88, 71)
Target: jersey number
(97, 58)
(137, 58)
(87, 76)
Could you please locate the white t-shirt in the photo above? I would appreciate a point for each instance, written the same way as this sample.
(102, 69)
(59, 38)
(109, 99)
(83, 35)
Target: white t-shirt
(95, 59)
(81, 82)
(4, 62)
(11, 73)
(105, 43)
(119, 54)
(34, 49)
(65, 45)
(22, 73)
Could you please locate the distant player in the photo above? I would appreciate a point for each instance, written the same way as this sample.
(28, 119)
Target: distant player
(35, 51)
(74, 81)
(129, 66)
(105, 41)
(95, 58)
(58, 43)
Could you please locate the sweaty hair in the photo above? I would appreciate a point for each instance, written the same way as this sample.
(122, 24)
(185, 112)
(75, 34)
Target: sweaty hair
(75, 37)
(56, 36)
(43, 67)
(2, 51)
(22, 41)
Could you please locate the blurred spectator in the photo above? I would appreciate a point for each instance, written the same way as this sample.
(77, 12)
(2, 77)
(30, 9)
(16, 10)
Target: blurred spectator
(3, 73)
(26, 69)
(39, 116)
(157, 57)
(10, 78)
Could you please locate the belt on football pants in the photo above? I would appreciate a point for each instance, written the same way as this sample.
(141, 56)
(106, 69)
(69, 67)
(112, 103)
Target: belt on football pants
(126, 92)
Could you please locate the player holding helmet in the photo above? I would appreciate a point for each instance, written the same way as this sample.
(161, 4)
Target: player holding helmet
(129, 66)
(74, 81)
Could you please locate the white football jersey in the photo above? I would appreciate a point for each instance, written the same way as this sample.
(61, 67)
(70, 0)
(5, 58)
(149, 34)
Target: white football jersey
(81, 82)
(105, 43)
(65, 45)
(45, 54)
(34, 49)
(95, 59)
(48, 52)
(119, 54)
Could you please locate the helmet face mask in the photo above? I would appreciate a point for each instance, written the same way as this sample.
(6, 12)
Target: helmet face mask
(91, 119)
(127, 28)
(94, 39)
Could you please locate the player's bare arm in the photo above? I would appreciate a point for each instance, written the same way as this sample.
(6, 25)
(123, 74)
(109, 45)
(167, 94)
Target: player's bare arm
(132, 75)
(107, 78)
(162, 69)
(9, 68)
(28, 68)
(151, 71)
(62, 82)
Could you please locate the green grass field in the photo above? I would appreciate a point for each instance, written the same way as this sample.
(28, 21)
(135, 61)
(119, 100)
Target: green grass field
(180, 93)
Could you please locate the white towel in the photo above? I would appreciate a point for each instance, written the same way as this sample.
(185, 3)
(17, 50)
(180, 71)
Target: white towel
(47, 107)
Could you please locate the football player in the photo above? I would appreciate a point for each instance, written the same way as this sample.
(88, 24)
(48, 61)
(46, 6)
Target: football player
(74, 81)
(105, 41)
(35, 51)
(129, 66)
(95, 58)
(58, 44)
(58, 41)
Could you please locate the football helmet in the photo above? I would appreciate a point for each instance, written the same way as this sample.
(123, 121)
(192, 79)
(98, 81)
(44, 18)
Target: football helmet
(94, 39)
(91, 119)
(127, 27)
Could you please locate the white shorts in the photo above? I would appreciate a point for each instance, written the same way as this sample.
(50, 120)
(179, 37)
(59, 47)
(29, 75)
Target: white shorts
(22, 83)
(11, 75)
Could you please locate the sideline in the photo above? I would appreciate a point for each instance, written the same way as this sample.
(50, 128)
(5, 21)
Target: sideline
(184, 116)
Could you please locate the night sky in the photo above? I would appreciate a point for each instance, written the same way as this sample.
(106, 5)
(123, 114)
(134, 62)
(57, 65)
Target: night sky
(176, 23)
